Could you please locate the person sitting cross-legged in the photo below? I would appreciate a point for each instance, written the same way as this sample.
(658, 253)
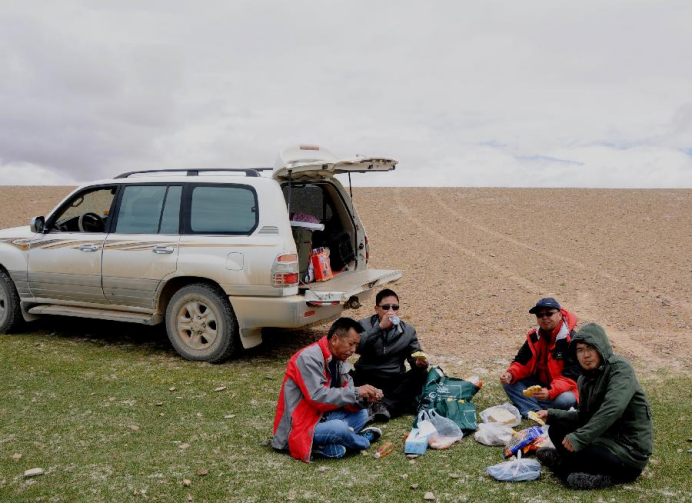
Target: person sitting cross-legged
(319, 411)
(386, 343)
(543, 362)
(608, 439)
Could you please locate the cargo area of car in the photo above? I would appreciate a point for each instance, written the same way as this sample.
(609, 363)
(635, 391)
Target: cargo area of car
(321, 221)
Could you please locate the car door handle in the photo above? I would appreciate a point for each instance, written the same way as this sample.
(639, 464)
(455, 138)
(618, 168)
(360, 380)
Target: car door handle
(163, 250)
(89, 248)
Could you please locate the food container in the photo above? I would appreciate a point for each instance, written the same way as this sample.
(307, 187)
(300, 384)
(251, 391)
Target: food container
(320, 258)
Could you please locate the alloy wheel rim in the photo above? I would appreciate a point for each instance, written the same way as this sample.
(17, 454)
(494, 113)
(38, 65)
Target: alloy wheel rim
(197, 325)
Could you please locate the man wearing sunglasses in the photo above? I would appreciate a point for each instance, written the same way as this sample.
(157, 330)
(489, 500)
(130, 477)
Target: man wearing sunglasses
(544, 360)
(386, 342)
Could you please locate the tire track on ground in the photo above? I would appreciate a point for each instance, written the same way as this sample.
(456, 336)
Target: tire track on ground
(643, 353)
(503, 237)
(503, 271)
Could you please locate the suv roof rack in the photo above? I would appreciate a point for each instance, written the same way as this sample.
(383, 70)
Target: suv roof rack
(255, 172)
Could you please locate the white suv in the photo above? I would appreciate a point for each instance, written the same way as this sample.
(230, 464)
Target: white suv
(213, 253)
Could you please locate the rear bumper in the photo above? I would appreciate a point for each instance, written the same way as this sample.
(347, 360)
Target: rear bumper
(279, 312)
(321, 302)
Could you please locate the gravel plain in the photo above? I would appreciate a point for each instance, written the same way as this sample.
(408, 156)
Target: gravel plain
(474, 261)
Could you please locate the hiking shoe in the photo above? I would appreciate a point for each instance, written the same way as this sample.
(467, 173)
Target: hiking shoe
(588, 481)
(379, 413)
(330, 451)
(548, 456)
(372, 434)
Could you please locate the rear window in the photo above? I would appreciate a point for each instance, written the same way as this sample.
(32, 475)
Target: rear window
(223, 210)
(309, 199)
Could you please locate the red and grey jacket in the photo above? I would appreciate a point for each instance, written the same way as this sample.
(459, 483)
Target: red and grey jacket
(306, 394)
(560, 371)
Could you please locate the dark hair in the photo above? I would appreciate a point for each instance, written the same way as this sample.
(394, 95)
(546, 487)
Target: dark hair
(341, 327)
(385, 293)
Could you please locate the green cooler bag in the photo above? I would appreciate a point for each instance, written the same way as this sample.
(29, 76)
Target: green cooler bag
(450, 397)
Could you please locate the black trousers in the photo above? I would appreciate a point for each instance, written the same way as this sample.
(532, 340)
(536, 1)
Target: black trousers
(594, 459)
(400, 390)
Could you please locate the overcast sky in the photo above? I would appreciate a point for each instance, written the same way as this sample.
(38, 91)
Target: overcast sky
(484, 93)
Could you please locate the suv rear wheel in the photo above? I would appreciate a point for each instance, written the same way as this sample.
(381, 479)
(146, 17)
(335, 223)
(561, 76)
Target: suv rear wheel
(10, 311)
(201, 325)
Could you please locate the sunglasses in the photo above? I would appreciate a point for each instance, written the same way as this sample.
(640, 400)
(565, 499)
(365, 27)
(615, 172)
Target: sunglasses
(546, 314)
(387, 307)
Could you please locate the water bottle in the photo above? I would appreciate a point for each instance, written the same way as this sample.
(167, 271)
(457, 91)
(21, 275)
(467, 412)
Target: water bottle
(395, 320)
(384, 450)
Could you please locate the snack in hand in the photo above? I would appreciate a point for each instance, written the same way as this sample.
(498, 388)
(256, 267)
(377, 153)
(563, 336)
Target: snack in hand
(419, 355)
(535, 417)
(531, 390)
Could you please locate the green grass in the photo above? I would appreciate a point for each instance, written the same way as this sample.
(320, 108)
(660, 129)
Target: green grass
(69, 400)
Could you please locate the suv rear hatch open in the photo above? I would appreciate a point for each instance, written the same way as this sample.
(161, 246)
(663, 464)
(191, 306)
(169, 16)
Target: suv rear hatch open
(304, 162)
(310, 165)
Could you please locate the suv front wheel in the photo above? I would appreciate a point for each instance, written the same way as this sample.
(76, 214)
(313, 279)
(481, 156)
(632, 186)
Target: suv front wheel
(201, 325)
(10, 311)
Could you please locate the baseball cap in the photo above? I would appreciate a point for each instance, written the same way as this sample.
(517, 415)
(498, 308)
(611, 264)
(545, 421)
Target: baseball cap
(545, 303)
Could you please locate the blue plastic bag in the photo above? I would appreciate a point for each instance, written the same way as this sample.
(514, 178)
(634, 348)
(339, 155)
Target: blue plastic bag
(517, 470)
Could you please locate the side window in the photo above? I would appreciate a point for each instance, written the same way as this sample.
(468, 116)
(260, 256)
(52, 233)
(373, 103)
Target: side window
(140, 209)
(223, 210)
(86, 212)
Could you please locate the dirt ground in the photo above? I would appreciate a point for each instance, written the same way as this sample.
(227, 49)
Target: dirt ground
(475, 261)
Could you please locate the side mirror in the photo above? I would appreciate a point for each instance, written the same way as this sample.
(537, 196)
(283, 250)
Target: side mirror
(37, 224)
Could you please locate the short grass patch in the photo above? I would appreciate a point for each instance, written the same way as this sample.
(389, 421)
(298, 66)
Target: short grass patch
(120, 417)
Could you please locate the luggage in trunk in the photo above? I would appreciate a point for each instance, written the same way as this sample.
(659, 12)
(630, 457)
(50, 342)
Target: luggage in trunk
(304, 244)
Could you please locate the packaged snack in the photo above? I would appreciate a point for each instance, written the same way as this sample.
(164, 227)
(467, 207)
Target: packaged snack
(521, 439)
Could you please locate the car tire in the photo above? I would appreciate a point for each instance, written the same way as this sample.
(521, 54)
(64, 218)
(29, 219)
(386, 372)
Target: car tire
(10, 309)
(201, 324)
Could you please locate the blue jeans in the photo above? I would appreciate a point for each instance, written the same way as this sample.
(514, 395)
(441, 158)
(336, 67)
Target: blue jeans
(335, 429)
(526, 403)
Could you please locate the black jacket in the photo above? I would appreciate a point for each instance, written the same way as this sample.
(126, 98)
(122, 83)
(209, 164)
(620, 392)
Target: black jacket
(384, 354)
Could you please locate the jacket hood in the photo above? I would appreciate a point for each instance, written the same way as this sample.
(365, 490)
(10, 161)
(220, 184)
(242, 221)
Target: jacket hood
(594, 335)
(570, 318)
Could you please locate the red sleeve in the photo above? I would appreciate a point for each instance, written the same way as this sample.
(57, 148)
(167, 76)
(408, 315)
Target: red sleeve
(561, 385)
(518, 371)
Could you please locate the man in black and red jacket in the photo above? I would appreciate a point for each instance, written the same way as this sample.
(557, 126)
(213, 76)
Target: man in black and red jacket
(544, 361)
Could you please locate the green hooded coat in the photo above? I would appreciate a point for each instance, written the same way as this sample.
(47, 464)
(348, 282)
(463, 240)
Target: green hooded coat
(613, 411)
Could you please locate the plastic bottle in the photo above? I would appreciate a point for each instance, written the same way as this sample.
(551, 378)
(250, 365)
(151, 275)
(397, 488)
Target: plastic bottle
(384, 450)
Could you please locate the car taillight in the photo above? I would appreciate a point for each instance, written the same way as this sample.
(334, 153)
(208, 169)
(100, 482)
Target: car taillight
(368, 250)
(285, 270)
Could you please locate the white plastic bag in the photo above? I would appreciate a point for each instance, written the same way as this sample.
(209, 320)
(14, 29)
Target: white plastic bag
(493, 434)
(424, 424)
(517, 470)
(447, 431)
(492, 414)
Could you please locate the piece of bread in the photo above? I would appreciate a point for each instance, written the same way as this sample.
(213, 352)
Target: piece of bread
(502, 416)
(535, 417)
(420, 355)
(531, 390)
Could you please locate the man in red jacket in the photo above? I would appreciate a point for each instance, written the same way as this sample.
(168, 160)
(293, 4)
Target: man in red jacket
(320, 412)
(544, 361)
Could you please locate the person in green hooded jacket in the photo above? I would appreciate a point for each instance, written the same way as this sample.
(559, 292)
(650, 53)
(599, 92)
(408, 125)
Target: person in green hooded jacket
(608, 440)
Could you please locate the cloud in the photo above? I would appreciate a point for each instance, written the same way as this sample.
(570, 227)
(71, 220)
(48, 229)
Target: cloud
(493, 93)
